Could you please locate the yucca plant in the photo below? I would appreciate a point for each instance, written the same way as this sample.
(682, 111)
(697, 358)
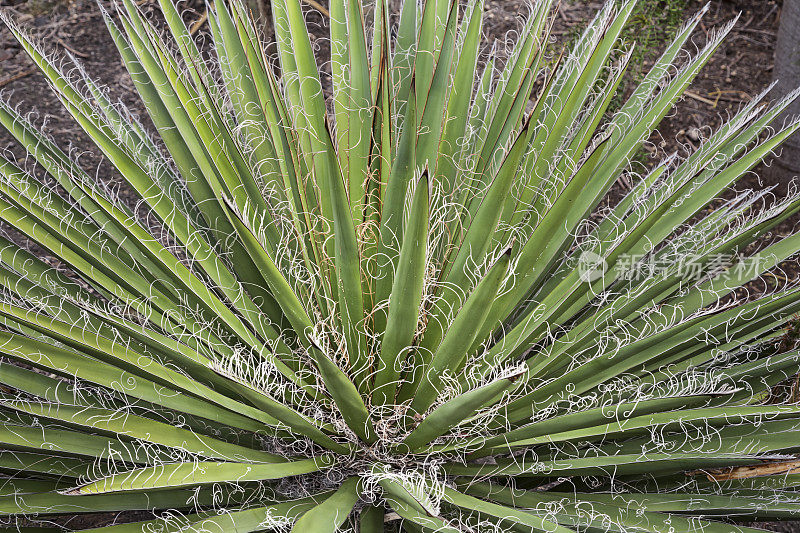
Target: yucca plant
(393, 299)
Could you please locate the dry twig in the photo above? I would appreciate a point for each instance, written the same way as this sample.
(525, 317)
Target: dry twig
(197, 24)
(319, 7)
(17, 76)
(60, 41)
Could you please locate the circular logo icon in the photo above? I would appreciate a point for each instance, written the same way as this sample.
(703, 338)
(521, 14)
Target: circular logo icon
(591, 266)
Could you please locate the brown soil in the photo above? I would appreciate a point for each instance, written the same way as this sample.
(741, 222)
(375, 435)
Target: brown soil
(739, 70)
